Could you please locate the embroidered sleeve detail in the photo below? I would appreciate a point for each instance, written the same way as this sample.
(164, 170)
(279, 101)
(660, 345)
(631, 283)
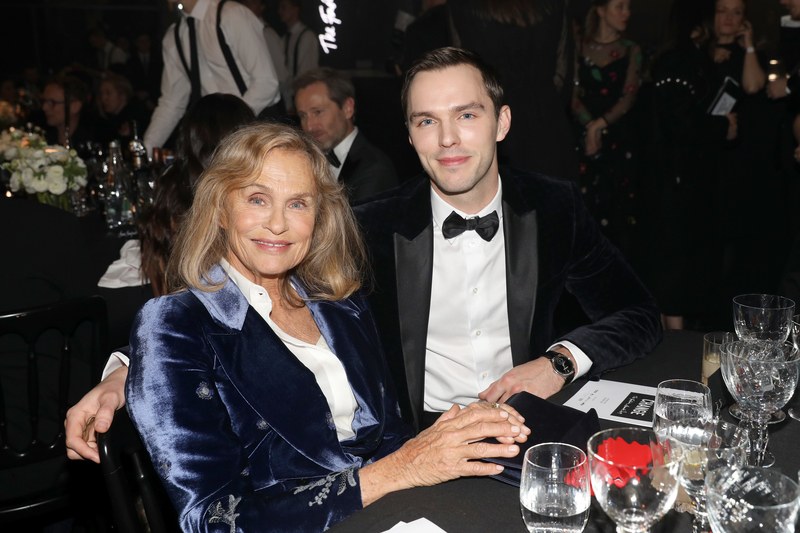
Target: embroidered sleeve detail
(217, 512)
(341, 479)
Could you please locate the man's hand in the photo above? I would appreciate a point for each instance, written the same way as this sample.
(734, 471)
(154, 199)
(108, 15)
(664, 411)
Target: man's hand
(536, 377)
(94, 413)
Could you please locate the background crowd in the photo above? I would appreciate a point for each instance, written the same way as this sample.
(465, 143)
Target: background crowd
(700, 203)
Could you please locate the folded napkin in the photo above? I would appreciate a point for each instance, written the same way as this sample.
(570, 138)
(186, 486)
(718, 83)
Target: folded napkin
(549, 422)
(125, 271)
(421, 525)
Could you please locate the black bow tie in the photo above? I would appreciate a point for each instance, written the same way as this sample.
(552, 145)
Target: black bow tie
(332, 159)
(454, 225)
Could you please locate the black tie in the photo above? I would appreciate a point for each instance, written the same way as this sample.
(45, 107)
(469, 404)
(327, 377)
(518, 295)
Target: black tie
(332, 159)
(454, 225)
(194, 73)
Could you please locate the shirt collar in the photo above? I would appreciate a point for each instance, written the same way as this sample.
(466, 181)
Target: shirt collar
(343, 148)
(252, 292)
(199, 10)
(441, 209)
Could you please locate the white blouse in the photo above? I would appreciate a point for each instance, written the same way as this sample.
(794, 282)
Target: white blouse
(318, 358)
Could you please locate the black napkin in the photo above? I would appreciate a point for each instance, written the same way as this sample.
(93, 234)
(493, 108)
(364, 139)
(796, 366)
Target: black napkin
(549, 422)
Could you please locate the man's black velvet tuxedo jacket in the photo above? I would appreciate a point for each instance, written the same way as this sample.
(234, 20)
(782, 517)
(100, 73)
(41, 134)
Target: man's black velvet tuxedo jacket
(552, 245)
(366, 171)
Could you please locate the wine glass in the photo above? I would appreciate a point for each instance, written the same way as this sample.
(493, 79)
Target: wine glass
(761, 376)
(678, 400)
(554, 490)
(707, 446)
(634, 476)
(762, 317)
(751, 498)
(765, 317)
(794, 412)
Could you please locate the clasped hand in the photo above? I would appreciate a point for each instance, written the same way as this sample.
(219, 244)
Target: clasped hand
(454, 445)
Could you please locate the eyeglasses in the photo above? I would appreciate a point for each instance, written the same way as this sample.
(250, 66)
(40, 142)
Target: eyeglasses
(50, 101)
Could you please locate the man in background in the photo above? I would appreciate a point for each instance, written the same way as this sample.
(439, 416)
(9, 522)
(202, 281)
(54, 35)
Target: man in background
(195, 63)
(300, 47)
(325, 103)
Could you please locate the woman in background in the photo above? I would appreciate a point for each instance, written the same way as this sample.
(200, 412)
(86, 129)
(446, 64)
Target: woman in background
(608, 80)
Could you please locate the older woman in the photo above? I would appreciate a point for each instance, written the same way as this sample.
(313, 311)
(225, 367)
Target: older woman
(259, 387)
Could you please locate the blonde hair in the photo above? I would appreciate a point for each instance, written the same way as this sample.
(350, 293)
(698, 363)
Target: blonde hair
(333, 268)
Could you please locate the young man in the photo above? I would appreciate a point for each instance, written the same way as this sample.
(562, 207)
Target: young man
(244, 37)
(465, 308)
(326, 106)
(469, 314)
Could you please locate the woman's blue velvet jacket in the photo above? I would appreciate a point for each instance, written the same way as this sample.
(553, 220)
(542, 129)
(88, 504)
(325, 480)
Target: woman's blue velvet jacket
(237, 428)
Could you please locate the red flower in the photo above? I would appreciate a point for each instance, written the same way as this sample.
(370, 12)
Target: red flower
(576, 478)
(604, 91)
(622, 460)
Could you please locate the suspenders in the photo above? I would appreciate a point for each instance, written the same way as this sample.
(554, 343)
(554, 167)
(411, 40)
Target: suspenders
(223, 44)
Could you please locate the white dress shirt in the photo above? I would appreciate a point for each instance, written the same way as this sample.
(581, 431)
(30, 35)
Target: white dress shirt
(318, 358)
(245, 37)
(342, 149)
(468, 344)
(307, 57)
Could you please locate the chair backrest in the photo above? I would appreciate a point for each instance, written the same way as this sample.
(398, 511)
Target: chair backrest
(138, 500)
(49, 357)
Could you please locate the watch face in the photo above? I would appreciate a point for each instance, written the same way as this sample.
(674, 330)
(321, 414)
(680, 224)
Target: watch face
(563, 365)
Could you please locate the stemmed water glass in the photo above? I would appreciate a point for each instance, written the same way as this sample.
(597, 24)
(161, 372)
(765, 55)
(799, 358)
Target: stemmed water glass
(761, 317)
(634, 476)
(707, 446)
(678, 400)
(794, 412)
(554, 490)
(761, 376)
(750, 499)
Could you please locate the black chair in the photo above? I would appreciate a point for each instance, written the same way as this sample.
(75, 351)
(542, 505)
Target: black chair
(138, 500)
(49, 357)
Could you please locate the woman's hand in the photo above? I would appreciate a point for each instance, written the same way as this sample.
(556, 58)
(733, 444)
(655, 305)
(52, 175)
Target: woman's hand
(745, 35)
(449, 449)
(594, 135)
(733, 126)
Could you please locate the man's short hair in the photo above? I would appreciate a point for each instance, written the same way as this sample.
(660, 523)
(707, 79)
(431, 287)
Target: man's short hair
(340, 88)
(450, 56)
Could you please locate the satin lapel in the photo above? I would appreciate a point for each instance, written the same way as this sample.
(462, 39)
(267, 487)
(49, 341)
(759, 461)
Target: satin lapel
(278, 394)
(522, 271)
(414, 268)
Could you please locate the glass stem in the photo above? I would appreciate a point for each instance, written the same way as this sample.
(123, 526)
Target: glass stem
(700, 520)
(759, 436)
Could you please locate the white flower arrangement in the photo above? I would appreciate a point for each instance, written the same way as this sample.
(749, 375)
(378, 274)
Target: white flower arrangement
(48, 171)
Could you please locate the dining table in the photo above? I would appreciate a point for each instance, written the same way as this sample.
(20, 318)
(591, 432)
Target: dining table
(481, 505)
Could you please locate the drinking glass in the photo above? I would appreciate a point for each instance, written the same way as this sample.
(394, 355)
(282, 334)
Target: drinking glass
(750, 499)
(554, 490)
(761, 376)
(794, 412)
(634, 476)
(678, 400)
(707, 447)
(712, 342)
(764, 317)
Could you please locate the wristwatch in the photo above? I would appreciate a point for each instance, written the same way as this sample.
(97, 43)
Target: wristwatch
(562, 365)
